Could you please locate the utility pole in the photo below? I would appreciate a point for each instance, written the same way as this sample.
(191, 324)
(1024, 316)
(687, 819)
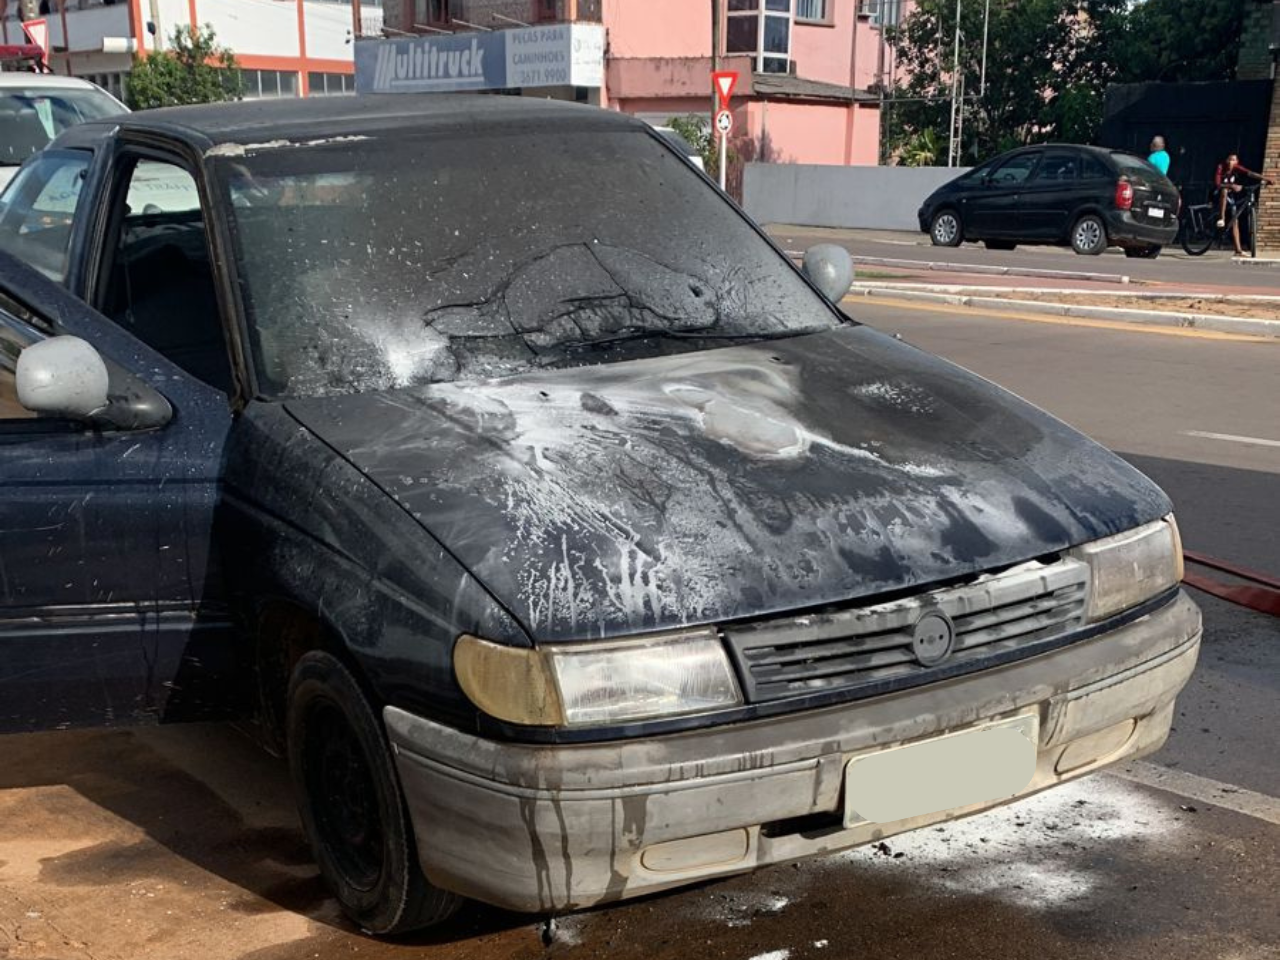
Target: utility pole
(715, 51)
(955, 92)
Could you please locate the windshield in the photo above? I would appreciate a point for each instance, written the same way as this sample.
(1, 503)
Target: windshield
(1134, 166)
(31, 117)
(379, 263)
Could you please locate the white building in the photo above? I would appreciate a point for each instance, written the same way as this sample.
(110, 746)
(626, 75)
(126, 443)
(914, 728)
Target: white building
(285, 47)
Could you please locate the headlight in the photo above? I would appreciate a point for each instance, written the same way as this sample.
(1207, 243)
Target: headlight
(1132, 567)
(595, 684)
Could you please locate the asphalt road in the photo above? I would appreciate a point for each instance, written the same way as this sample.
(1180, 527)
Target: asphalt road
(181, 842)
(1172, 267)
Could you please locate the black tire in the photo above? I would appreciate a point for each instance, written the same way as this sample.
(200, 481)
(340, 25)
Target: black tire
(351, 805)
(946, 229)
(1196, 242)
(1000, 245)
(1089, 235)
(1143, 253)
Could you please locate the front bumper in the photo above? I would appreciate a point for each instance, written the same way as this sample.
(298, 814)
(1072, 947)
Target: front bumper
(544, 828)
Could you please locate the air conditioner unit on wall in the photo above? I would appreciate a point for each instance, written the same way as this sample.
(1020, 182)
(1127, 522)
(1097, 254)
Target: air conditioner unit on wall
(869, 8)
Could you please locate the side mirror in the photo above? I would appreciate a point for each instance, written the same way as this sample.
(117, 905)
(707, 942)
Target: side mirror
(830, 268)
(66, 377)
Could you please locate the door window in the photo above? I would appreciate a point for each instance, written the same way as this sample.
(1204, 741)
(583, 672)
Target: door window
(1057, 168)
(1095, 169)
(160, 286)
(40, 203)
(1015, 170)
(12, 342)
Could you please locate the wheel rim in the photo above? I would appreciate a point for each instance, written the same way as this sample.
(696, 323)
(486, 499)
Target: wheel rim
(945, 228)
(343, 797)
(1088, 234)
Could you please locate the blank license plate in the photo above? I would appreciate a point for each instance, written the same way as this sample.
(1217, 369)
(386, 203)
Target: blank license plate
(1155, 212)
(980, 765)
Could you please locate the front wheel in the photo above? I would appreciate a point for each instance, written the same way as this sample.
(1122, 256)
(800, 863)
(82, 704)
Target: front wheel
(1197, 236)
(351, 806)
(946, 229)
(1089, 235)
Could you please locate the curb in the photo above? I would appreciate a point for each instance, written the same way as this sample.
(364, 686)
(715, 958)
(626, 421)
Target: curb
(974, 290)
(1198, 321)
(978, 268)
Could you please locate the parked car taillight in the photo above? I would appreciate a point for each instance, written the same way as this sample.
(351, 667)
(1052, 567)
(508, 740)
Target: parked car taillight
(1124, 195)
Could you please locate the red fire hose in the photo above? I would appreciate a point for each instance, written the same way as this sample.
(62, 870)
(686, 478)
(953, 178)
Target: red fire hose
(1259, 592)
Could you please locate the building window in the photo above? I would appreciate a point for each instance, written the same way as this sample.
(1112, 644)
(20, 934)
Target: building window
(882, 13)
(762, 28)
(330, 84)
(432, 12)
(813, 11)
(545, 10)
(113, 83)
(268, 84)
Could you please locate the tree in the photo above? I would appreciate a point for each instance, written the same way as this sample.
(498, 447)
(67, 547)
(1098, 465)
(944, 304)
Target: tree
(1049, 63)
(195, 69)
(1178, 40)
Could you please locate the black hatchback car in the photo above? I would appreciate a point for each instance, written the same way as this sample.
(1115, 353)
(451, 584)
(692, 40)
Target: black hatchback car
(1088, 197)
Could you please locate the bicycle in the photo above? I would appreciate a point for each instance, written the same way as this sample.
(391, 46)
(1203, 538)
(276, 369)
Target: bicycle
(1200, 230)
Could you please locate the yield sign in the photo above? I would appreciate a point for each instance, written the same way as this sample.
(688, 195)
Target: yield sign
(725, 81)
(37, 32)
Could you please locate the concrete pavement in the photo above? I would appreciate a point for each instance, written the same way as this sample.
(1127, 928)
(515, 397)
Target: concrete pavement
(182, 842)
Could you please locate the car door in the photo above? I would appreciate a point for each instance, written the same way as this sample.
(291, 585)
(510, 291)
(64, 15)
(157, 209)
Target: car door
(1049, 196)
(993, 208)
(110, 597)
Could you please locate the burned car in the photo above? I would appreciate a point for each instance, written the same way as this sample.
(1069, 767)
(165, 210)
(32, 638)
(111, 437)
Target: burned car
(570, 541)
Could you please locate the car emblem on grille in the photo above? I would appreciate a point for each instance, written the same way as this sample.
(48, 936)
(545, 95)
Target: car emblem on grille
(933, 638)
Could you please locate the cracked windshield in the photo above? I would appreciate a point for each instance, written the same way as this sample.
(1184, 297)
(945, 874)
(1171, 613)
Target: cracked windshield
(374, 265)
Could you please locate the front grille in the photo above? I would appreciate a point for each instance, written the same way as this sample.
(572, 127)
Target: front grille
(861, 646)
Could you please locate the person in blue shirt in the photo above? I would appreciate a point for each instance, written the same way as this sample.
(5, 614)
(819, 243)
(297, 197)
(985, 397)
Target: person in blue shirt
(1159, 157)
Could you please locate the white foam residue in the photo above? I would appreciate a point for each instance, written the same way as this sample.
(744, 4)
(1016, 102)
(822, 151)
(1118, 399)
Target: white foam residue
(659, 534)
(904, 396)
(1023, 853)
(741, 909)
(773, 955)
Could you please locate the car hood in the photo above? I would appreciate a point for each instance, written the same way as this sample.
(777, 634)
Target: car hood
(701, 487)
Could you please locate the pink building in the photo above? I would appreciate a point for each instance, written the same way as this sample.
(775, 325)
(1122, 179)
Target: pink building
(810, 71)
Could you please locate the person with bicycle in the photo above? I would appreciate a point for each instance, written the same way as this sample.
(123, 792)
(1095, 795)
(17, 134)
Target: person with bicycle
(1229, 181)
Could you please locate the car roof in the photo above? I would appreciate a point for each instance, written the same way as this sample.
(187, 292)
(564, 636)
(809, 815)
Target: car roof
(318, 118)
(29, 79)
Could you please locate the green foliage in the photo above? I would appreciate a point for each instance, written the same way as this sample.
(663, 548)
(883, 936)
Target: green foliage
(925, 149)
(195, 69)
(1177, 40)
(705, 141)
(1049, 63)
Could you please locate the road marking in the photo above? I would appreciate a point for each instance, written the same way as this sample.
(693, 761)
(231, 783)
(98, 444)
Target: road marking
(1231, 438)
(986, 314)
(1193, 787)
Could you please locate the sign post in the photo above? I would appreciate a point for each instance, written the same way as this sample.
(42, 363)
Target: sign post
(725, 81)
